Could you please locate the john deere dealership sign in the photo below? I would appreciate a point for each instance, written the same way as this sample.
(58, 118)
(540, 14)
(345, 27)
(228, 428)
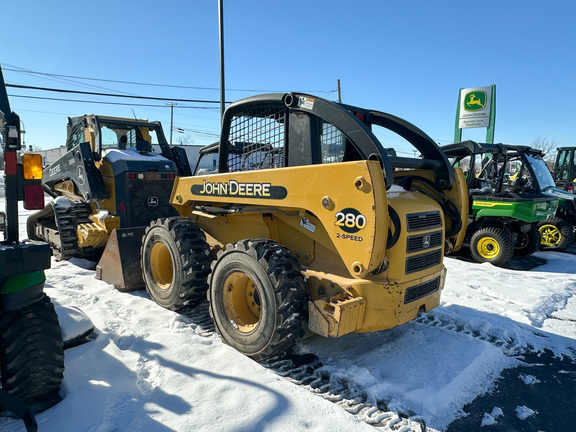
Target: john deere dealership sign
(475, 107)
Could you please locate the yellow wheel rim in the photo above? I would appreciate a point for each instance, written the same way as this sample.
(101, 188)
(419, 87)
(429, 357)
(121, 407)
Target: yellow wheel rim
(241, 302)
(551, 235)
(161, 266)
(488, 247)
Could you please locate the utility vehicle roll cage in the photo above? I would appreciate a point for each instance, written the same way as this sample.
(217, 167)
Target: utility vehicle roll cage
(461, 150)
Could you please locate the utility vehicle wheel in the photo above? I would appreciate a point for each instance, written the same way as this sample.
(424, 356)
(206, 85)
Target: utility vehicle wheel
(493, 245)
(31, 354)
(528, 243)
(175, 262)
(257, 297)
(557, 234)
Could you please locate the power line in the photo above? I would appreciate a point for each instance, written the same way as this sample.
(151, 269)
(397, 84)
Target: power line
(107, 103)
(157, 85)
(110, 94)
(197, 132)
(65, 80)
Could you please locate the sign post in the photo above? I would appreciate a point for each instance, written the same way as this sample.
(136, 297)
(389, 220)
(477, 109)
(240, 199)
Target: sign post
(476, 108)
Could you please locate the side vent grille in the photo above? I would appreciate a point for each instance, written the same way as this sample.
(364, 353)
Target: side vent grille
(423, 221)
(424, 261)
(417, 292)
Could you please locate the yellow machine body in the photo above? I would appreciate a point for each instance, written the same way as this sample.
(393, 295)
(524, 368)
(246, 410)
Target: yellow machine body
(335, 219)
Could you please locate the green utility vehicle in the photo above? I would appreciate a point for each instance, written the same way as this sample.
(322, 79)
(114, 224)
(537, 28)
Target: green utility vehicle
(31, 347)
(558, 232)
(505, 206)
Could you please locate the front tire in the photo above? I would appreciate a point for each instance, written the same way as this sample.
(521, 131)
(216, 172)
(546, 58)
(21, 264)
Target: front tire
(175, 262)
(31, 354)
(557, 234)
(493, 245)
(257, 298)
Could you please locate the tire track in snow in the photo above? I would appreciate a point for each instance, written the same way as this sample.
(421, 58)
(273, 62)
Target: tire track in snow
(510, 346)
(307, 372)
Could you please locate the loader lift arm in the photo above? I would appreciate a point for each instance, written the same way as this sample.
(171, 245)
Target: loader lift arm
(77, 166)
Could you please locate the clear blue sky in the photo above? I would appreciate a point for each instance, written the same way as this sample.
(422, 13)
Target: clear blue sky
(408, 58)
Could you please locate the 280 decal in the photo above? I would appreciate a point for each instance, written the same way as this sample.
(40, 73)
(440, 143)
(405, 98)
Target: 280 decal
(350, 220)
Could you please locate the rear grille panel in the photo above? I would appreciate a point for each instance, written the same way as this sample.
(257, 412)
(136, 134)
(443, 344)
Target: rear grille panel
(417, 292)
(149, 200)
(423, 241)
(423, 221)
(423, 261)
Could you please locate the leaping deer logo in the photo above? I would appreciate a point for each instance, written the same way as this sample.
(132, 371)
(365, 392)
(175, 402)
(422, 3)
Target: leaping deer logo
(474, 101)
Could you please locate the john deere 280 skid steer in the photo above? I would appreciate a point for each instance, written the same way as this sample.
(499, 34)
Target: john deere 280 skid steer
(308, 223)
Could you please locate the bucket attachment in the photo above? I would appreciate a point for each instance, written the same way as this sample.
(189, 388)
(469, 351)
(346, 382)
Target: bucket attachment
(120, 262)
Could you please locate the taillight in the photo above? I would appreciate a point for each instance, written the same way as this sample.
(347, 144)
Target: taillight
(32, 166)
(33, 197)
(32, 170)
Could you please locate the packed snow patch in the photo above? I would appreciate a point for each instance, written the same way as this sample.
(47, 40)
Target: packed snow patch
(150, 369)
(524, 412)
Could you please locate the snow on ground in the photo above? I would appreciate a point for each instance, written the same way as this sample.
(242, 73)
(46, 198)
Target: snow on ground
(150, 369)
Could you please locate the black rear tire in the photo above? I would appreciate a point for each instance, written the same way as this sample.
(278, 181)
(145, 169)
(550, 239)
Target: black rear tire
(175, 262)
(557, 234)
(493, 245)
(258, 298)
(528, 243)
(31, 354)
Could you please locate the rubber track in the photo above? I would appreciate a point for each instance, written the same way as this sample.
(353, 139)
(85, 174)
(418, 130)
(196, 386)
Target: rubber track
(67, 218)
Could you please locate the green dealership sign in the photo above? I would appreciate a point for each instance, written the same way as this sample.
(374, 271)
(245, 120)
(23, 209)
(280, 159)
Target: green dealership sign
(476, 108)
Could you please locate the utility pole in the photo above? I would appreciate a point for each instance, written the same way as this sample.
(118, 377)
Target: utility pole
(339, 92)
(221, 31)
(172, 105)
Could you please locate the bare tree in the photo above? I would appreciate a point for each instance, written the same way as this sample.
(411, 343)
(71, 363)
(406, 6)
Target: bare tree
(548, 147)
(184, 139)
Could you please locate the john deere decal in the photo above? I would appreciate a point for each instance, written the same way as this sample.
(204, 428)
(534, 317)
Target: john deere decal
(234, 188)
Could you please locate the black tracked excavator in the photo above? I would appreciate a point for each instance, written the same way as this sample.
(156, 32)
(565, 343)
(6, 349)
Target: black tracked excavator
(106, 188)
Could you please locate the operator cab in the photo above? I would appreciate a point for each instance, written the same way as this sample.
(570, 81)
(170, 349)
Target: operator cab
(289, 130)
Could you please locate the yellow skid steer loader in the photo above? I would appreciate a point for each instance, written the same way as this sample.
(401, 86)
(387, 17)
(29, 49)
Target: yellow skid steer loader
(309, 222)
